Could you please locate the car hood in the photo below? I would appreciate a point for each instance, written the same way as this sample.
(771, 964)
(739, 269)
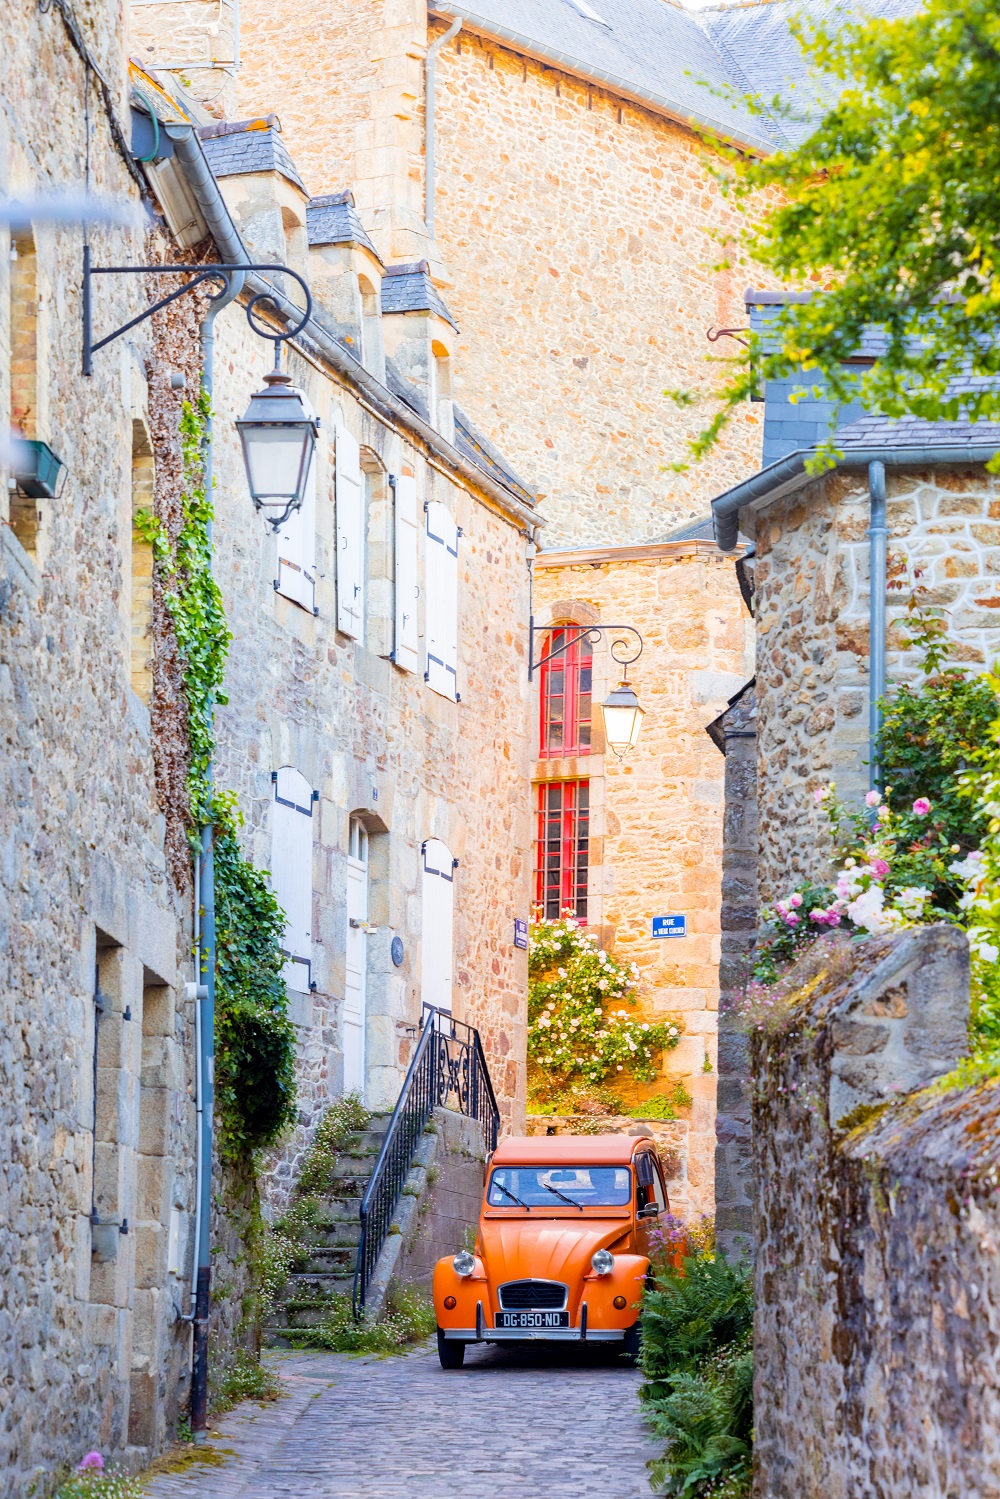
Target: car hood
(544, 1248)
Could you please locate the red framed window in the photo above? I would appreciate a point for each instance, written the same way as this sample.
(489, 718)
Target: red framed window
(562, 854)
(565, 696)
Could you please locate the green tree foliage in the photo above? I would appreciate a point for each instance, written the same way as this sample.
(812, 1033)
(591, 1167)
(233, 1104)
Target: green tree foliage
(697, 1359)
(891, 209)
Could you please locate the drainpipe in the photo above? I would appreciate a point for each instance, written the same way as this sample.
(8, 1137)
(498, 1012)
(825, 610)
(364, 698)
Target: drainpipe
(876, 611)
(188, 150)
(429, 62)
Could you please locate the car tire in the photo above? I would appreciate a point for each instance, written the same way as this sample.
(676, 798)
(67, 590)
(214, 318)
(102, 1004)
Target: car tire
(632, 1344)
(450, 1351)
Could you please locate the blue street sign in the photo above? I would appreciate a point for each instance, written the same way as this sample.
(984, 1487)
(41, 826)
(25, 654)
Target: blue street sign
(520, 932)
(670, 926)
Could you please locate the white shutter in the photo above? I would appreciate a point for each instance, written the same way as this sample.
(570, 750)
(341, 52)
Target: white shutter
(437, 919)
(350, 537)
(356, 975)
(441, 593)
(296, 578)
(407, 644)
(292, 870)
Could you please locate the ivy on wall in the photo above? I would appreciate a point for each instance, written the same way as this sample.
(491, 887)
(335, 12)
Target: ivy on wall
(255, 1057)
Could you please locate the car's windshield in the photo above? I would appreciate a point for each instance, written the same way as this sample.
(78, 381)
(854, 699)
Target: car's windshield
(560, 1186)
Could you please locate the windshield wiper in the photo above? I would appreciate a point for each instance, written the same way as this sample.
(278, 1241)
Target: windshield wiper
(508, 1193)
(556, 1193)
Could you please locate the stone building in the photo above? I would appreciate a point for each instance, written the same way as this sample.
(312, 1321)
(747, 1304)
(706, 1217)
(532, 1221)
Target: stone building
(96, 1123)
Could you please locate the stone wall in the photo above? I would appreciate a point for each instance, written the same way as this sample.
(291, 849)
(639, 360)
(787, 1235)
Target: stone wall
(737, 730)
(811, 608)
(91, 1351)
(574, 235)
(876, 1350)
(443, 1198)
(656, 815)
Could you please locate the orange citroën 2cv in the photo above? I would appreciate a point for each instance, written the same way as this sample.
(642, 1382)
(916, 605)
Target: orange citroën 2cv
(562, 1248)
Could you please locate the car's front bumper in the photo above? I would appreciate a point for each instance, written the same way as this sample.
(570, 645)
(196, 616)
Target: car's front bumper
(581, 1334)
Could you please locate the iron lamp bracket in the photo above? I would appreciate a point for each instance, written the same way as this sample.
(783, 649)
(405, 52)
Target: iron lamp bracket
(222, 275)
(623, 650)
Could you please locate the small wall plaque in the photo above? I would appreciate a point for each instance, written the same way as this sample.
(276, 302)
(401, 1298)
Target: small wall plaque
(670, 926)
(397, 950)
(520, 932)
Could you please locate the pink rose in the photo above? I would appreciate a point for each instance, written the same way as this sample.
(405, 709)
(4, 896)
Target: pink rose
(795, 901)
(833, 918)
(93, 1461)
(921, 807)
(872, 798)
(820, 794)
(792, 920)
(818, 914)
(879, 868)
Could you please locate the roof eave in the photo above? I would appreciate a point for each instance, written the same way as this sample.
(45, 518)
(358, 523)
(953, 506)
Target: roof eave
(447, 10)
(789, 474)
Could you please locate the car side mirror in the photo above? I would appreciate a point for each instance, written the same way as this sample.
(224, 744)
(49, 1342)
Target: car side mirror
(649, 1211)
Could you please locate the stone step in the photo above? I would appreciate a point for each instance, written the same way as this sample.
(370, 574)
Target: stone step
(329, 1259)
(350, 1188)
(354, 1165)
(343, 1233)
(313, 1285)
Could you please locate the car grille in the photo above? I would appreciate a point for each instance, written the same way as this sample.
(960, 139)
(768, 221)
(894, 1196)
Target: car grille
(533, 1296)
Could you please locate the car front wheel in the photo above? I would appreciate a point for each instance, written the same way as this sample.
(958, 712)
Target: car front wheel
(450, 1351)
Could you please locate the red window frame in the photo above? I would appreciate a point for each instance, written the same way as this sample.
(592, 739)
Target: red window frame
(565, 696)
(562, 848)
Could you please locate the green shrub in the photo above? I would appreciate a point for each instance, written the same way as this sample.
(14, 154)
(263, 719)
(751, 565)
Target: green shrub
(347, 1117)
(246, 1378)
(697, 1359)
(409, 1318)
(111, 1483)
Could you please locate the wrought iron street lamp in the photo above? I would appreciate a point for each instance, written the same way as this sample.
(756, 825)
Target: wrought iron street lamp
(622, 718)
(278, 434)
(622, 711)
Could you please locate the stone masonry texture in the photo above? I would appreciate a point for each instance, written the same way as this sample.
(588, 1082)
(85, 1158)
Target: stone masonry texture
(656, 815)
(574, 236)
(91, 1351)
(733, 1171)
(876, 1351)
(811, 615)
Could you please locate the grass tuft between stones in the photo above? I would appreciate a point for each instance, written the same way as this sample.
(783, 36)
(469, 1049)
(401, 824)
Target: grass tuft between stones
(408, 1320)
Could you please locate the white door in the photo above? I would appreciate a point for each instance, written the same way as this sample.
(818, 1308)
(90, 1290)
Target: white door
(357, 960)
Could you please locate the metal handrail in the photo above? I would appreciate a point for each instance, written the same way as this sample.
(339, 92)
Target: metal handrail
(449, 1062)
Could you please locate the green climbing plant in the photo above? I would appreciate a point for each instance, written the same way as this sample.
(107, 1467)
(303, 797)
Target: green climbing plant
(255, 1057)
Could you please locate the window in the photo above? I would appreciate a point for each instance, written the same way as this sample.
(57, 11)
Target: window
(296, 578)
(406, 651)
(442, 601)
(437, 921)
(565, 696)
(563, 846)
(350, 537)
(292, 870)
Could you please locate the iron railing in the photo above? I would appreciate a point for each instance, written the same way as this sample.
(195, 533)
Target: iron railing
(448, 1068)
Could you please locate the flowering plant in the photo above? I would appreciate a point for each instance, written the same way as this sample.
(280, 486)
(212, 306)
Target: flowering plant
(578, 1026)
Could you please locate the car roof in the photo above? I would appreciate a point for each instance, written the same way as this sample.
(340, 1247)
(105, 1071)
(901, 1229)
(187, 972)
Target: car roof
(567, 1150)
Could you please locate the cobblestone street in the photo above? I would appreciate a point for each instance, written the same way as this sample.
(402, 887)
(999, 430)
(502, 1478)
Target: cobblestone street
(537, 1425)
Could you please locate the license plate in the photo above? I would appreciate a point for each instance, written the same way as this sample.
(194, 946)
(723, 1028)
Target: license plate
(532, 1319)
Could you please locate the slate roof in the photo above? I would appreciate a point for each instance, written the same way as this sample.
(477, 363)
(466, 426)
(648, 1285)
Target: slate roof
(248, 146)
(479, 450)
(694, 65)
(913, 432)
(334, 220)
(409, 288)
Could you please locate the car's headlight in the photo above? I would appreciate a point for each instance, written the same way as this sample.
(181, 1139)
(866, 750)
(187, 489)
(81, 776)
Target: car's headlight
(464, 1263)
(603, 1262)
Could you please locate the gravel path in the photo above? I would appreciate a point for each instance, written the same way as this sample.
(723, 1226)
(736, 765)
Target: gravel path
(543, 1423)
